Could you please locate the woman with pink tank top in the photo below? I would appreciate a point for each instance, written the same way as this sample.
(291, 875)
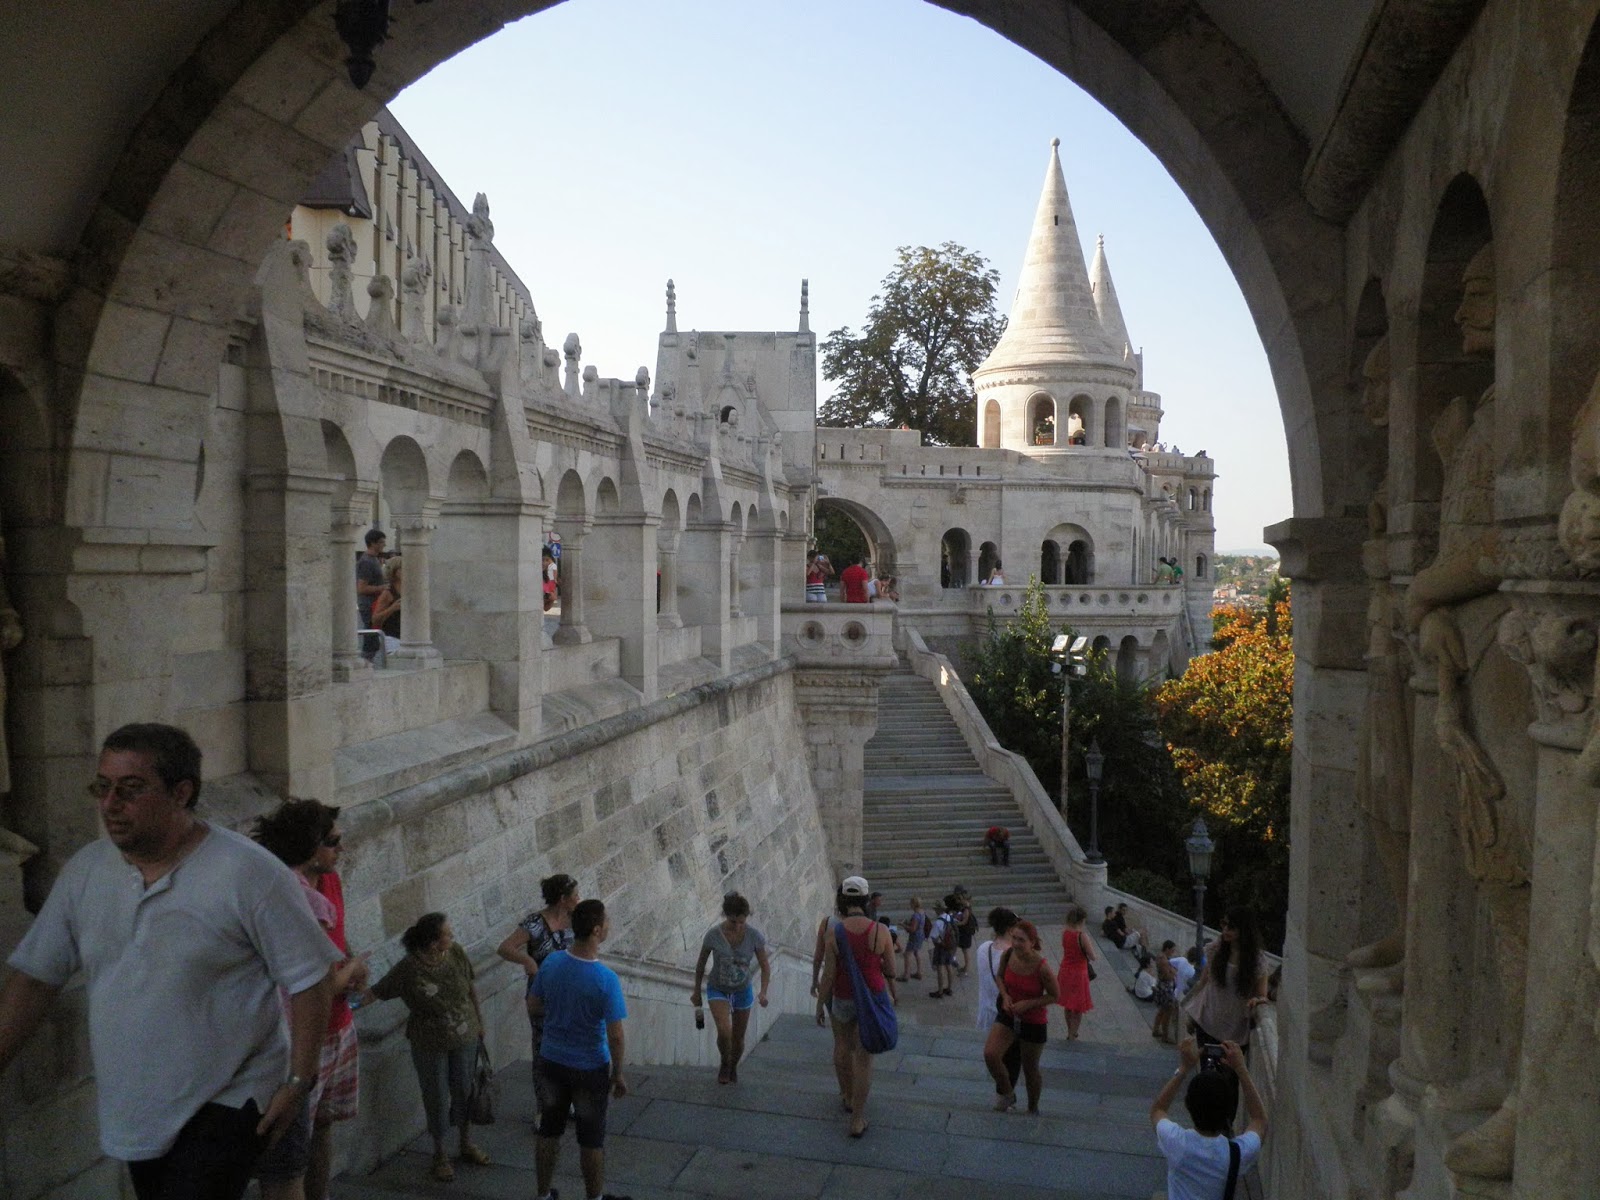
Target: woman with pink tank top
(873, 951)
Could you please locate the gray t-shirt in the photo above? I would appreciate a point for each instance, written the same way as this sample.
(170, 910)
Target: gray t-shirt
(731, 966)
(182, 979)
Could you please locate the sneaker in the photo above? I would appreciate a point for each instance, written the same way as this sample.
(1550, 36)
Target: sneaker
(936, 994)
(475, 1155)
(442, 1170)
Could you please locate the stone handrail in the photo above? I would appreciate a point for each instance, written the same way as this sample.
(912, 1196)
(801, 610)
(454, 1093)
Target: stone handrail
(1086, 881)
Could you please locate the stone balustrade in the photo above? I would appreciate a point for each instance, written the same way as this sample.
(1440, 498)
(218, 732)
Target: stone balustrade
(1083, 603)
(840, 635)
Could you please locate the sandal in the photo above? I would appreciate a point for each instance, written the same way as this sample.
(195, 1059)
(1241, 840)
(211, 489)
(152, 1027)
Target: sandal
(856, 1133)
(1006, 1102)
(442, 1170)
(476, 1155)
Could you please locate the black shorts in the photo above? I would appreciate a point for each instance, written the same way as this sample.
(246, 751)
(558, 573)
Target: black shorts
(587, 1093)
(963, 937)
(1035, 1033)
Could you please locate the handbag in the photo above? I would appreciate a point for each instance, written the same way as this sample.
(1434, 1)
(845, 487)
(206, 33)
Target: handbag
(1087, 961)
(876, 1023)
(485, 1091)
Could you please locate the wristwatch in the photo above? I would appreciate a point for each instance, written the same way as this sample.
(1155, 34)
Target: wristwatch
(304, 1082)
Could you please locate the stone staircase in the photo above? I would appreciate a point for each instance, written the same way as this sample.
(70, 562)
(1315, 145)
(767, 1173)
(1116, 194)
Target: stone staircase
(926, 806)
(779, 1133)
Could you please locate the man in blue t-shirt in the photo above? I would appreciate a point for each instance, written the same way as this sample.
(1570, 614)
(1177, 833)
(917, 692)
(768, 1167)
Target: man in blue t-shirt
(580, 1055)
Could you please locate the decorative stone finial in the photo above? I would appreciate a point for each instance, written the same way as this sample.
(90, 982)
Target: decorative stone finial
(672, 307)
(341, 244)
(1055, 143)
(805, 306)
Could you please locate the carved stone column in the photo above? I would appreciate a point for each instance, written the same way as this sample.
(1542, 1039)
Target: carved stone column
(350, 521)
(734, 547)
(668, 617)
(1554, 636)
(572, 630)
(416, 605)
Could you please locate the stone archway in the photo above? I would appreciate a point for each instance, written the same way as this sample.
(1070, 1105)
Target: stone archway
(879, 538)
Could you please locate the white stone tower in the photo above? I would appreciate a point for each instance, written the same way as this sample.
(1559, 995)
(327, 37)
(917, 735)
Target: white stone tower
(1064, 378)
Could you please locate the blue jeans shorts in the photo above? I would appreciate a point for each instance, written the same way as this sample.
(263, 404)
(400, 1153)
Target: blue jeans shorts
(740, 1001)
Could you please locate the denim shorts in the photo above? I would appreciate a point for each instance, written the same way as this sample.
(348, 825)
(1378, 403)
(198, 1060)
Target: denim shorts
(843, 1009)
(741, 1000)
(587, 1093)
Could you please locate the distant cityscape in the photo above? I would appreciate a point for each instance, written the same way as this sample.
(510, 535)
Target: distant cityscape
(1243, 578)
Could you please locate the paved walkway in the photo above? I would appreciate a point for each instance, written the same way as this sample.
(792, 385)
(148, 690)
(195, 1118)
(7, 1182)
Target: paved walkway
(778, 1132)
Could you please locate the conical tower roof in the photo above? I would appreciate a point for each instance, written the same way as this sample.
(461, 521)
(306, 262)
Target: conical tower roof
(1054, 321)
(1105, 300)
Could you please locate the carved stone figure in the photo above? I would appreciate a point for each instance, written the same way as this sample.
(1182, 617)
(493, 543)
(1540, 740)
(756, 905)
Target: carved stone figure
(1497, 853)
(341, 245)
(10, 639)
(415, 277)
(1383, 771)
(1579, 534)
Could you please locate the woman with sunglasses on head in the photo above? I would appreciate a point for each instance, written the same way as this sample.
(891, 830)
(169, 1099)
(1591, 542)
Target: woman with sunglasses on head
(732, 946)
(536, 937)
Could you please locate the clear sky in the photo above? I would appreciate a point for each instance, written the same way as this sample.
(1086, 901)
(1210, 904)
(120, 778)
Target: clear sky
(738, 146)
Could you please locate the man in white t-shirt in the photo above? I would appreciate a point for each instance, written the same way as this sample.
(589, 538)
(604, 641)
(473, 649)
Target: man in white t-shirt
(1198, 1158)
(184, 931)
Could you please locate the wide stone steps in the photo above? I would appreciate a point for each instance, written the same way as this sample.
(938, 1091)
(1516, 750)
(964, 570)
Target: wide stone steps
(779, 1134)
(926, 807)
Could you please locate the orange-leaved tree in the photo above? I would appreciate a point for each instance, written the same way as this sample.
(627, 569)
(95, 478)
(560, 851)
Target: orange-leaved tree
(1228, 721)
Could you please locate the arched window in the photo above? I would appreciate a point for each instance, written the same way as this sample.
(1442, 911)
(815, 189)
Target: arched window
(1199, 566)
(1194, 499)
(1116, 438)
(1079, 413)
(955, 551)
(1080, 564)
(991, 425)
(1050, 563)
(1041, 420)
(988, 560)
(1205, 500)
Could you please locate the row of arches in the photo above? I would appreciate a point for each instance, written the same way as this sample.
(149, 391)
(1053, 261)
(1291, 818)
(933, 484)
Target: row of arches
(1065, 557)
(1089, 421)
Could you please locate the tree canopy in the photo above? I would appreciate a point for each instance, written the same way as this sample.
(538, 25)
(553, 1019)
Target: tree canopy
(932, 324)
(1229, 723)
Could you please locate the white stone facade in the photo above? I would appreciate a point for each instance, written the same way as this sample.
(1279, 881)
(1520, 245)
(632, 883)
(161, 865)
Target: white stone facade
(1069, 483)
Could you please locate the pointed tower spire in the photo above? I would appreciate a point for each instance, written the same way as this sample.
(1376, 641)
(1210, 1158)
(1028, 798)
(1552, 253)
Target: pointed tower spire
(1053, 319)
(1105, 300)
(672, 307)
(805, 306)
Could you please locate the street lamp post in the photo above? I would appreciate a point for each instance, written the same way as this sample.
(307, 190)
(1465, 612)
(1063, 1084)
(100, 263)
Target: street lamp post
(1068, 655)
(1199, 847)
(1094, 762)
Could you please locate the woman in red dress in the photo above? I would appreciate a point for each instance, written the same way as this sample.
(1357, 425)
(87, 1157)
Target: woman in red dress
(1072, 981)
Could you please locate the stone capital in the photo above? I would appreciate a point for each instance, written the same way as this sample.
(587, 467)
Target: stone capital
(1318, 549)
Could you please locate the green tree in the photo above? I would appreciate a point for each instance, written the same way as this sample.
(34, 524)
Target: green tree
(1229, 723)
(932, 324)
(839, 537)
(1142, 804)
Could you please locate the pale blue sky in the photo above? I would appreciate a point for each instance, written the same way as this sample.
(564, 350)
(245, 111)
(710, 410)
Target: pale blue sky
(738, 146)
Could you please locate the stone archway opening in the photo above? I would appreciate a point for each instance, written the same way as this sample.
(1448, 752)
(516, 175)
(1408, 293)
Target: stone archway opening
(847, 531)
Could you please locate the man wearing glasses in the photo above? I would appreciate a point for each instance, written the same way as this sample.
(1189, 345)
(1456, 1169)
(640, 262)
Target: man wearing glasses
(184, 932)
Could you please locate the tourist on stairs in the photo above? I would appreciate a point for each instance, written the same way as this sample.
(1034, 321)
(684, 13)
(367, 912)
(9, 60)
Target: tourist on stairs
(1000, 920)
(732, 945)
(873, 951)
(1072, 981)
(1027, 989)
(444, 1029)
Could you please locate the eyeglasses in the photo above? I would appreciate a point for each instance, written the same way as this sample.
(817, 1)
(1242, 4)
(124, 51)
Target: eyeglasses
(126, 790)
(332, 840)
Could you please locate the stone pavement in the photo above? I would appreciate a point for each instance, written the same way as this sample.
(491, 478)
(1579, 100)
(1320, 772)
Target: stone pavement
(779, 1133)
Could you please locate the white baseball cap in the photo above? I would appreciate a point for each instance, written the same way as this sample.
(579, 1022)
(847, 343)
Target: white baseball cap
(855, 886)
